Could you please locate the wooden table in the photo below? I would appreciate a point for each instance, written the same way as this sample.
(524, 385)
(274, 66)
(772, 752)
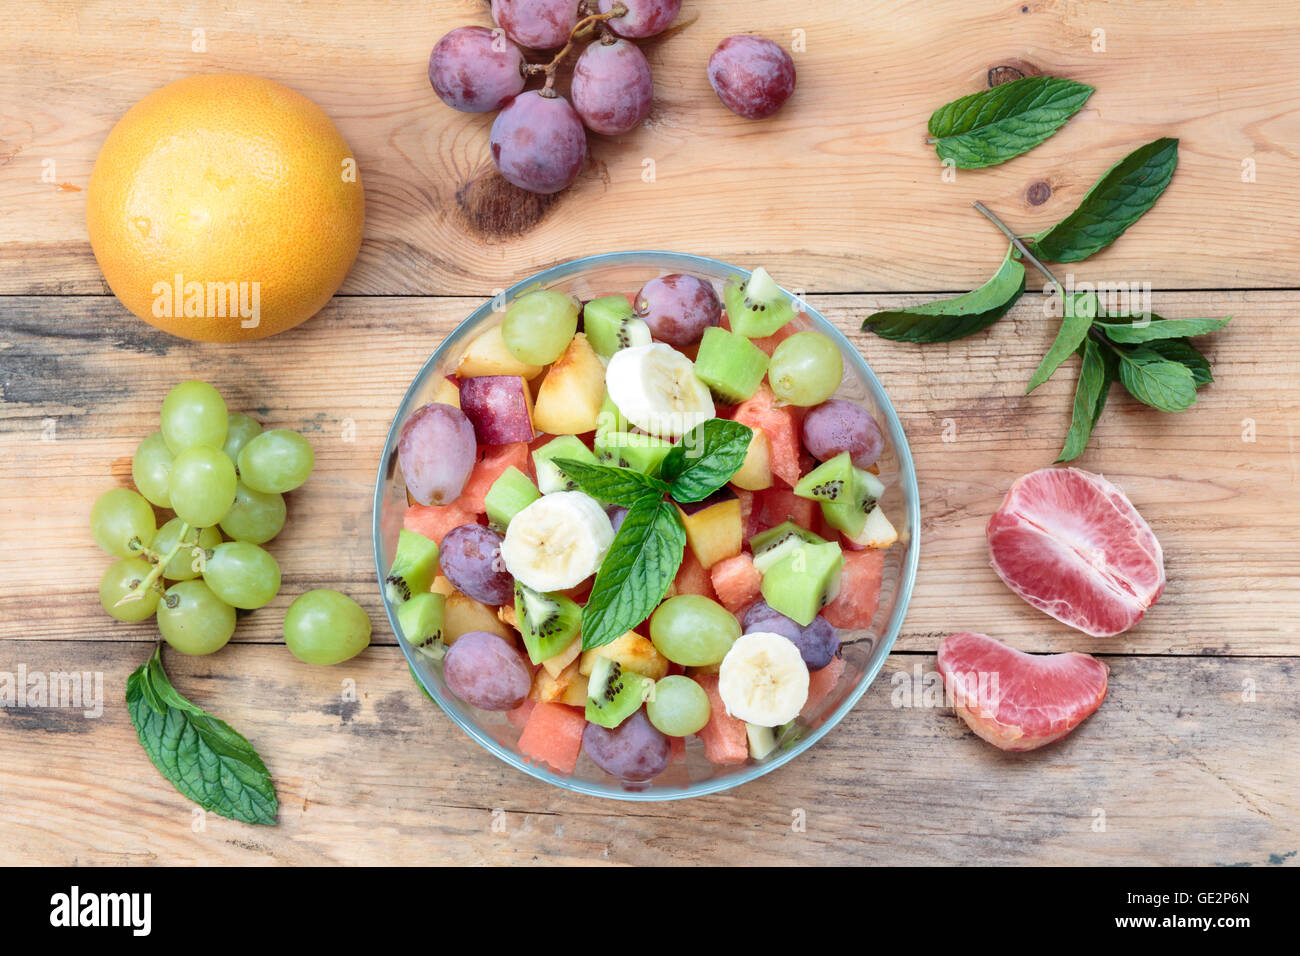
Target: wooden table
(1192, 758)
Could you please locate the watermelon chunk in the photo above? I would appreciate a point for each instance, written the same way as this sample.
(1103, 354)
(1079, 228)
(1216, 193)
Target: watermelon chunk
(781, 424)
(820, 684)
(519, 716)
(495, 459)
(676, 749)
(692, 578)
(434, 521)
(553, 735)
(725, 741)
(736, 581)
(769, 342)
(859, 590)
(777, 504)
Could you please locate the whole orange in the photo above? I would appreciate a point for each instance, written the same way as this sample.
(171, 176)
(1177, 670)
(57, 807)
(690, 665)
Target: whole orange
(224, 208)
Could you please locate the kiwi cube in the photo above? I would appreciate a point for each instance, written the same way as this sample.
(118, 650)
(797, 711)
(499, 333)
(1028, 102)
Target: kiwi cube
(757, 307)
(643, 453)
(421, 619)
(414, 565)
(548, 623)
(550, 477)
(848, 511)
(804, 580)
(732, 366)
(772, 545)
(511, 493)
(613, 693)
(610, 325)
(832, 480)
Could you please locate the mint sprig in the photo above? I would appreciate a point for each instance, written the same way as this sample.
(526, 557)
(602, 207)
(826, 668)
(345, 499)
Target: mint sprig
(705, 459)
(611, 484)
(1080, 310)
(205, 759)
(993, 126)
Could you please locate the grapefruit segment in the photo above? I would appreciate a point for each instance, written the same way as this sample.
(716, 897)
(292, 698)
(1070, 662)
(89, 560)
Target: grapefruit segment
(1072, 545)
(1014, 700)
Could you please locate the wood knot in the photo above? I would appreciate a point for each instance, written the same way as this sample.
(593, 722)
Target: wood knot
(497, 209)
(1038, 193)
(1011, 70)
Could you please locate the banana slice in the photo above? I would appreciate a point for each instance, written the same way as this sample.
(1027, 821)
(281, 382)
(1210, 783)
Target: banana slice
(763, 679)
(655, 388)
(557, 542)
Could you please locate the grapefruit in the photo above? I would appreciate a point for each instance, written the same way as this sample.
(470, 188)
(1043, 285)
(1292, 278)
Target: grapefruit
(1072, 545)
(224, 208)
(1014, 700)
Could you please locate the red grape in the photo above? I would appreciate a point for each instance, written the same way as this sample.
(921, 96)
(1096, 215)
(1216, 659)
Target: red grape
(644, 18)
(538, 142)
(751, 75)
(634, 750)
(537, 24)
(486, 672)
(612, 87)
(470, 558)
(837, 426)
(436, 451)
(475, 70)
(678, 308)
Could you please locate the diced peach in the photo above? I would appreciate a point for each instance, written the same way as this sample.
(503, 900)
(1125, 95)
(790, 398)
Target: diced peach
(500, 407)
(737, 582)
(570, 396)
(488, 355)
(714, 528)
(820, 684)
(859, 596)
(462, 614)
(447, 391)
(434, 521)
(755, 472)
(724, 738)
(553, 735)
(632, 652)
(493, 460)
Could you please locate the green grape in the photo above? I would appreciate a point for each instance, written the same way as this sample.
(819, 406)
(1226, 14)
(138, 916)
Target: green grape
(678, 706)
(279, 460)
(806, 369)
(202, 485)
(539, 326)
(254, 517)
(120, 578)
(182, 567)
(326, 627)
(194, 620)
(151, 468)
(242, 428)
(193, 413)
(122, 522)
(692, 630)
(242, 574)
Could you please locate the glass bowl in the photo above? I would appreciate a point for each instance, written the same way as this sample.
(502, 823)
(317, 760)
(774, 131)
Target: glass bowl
(864, 651)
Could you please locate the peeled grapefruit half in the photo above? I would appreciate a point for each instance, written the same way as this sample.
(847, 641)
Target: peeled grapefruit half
(1072, 545)
(1014, 700)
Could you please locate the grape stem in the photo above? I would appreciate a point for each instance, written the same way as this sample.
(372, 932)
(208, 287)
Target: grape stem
(591, 21)
(137, 592)
(1020, 246)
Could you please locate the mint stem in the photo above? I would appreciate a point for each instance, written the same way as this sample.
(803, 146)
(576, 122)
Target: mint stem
(1020, 246)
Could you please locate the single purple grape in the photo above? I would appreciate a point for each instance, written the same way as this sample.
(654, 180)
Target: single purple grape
(634, 750)
(616, 515)
(644, 18)
(678, 308)
(751, 75)
(436, 452)
(538, 142)
(837, 426)
(476, 70)
(818, 643)
(612, 87)
(486, 672)
(470, 558)
(536, 24)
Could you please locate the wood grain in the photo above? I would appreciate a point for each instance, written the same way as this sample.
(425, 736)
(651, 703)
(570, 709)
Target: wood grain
(1174, 768)
(837, 193)
(1227, 510)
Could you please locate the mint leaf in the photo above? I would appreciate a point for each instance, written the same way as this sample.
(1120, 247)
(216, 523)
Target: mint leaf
(1128, 330)
(1089, 399)
(954, 318)
(205, 759)
(616, 486)
(1116, 201)
(1080, 310)
(1156, 381)
(705, 459)
(636, 573)
(1182, 351)
(992, 126)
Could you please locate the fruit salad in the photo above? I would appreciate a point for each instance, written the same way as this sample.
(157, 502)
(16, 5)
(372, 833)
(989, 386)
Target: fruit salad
(640, 521)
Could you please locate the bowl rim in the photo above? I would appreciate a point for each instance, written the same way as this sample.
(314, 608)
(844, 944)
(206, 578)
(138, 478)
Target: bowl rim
(907, 478)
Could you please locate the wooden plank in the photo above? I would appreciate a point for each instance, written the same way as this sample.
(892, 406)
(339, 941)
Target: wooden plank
(1224, 508)
(837, 193)
(1173, 769)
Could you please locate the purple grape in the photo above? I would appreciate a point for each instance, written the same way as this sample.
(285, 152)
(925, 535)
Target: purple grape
(537, 24)
(470, 558)
(751, 75)
(644, 18)
(616, 515)
(818, 643)
(475, 70)
(612, 87)
(436, 452)
(678, 308)
(634, 750)
(538, 142)
(486, 672)
(837, 426)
